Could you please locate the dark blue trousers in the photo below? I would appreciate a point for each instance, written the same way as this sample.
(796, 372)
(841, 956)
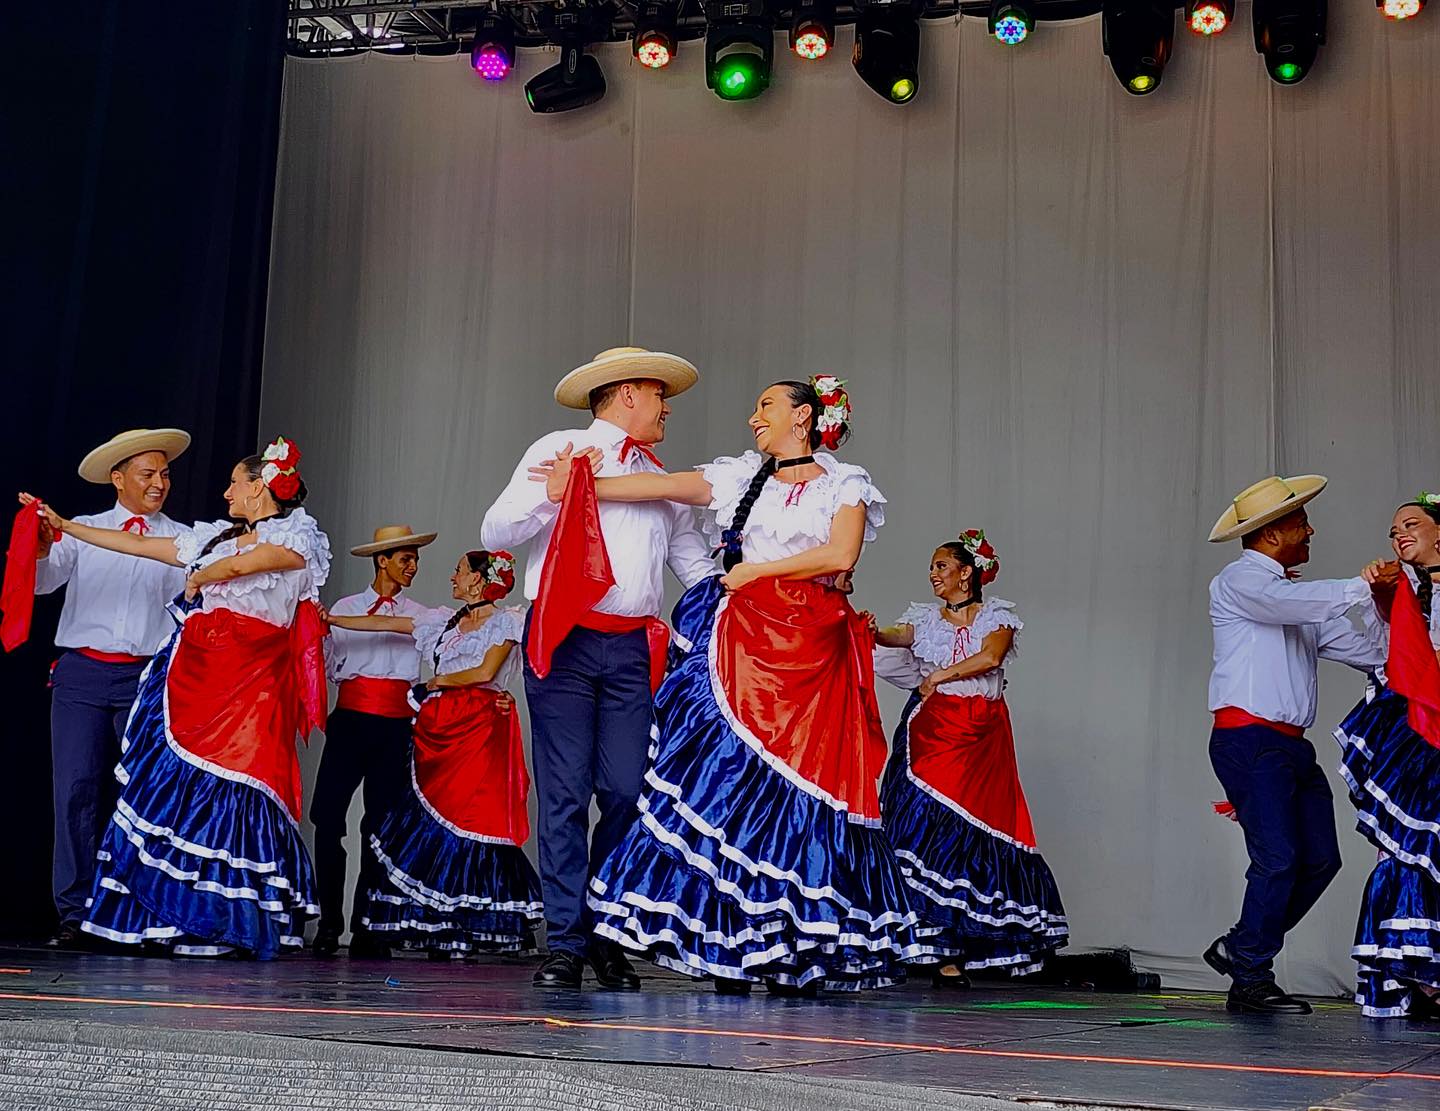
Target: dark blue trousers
(1283, 801)
(590, 724)
(89, 703)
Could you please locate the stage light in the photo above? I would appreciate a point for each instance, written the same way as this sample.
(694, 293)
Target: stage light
(1010, 21)
(654, 42)
(492, 53)
(1399, 9)
(739, 49)
(1138, 36)
(887, 49)
(1209, 17)
(1288, 35)
(812, 30)
(574, 82)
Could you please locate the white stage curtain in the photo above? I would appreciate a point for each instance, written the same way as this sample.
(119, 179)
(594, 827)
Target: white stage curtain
(1078, 319)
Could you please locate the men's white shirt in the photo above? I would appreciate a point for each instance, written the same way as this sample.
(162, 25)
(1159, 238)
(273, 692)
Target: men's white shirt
(641, 537)
(350, 655)
(1269, 632)
(113, 602)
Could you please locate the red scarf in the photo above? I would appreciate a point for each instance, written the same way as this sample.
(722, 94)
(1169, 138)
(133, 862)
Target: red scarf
(17, 596)
(307, 654)
(1412, 669)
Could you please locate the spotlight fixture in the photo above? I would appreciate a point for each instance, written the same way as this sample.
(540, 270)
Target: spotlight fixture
(575, 81)
(654, 43)
(1011, 21)
(492, 53)
(812, 30)
(1209, 17)
(1399, 9)
(887, 47)
(1289, 34)
(1138, 36)
(739, 48)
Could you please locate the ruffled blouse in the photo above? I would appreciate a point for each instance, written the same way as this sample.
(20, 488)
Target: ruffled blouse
(1379, 626)
(462, 651)
(787, 518)
(268, 595)
(937, 644)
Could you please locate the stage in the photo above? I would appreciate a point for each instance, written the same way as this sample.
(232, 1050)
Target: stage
(83, 1031)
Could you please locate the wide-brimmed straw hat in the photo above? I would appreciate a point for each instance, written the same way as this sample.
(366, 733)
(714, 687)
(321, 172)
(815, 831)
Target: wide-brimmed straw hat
(1268, 500)
(390, 537)
(625, 364)
(96, 466)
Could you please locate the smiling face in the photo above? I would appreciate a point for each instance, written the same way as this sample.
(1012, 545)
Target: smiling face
(951, 579)
(1290, 537)
(142, 482)
(398, 566)
(774, 421)
(247, 496)
(465, 584)
(1415, 536)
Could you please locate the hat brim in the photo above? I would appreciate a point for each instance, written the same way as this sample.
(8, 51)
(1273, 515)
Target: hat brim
(96, 466)
(676, 374)
(415, 540)
(1305, 487)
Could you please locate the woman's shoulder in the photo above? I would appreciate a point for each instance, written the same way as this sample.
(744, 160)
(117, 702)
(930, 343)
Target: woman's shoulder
(996, 613)
(851, 484)
(301, 533)
(918, 614)
(191, 541)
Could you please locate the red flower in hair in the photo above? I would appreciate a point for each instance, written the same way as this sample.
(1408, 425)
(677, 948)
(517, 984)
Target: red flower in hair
(285, 486)
(499, 576)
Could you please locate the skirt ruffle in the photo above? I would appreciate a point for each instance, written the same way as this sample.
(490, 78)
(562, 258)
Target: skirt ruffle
(191, 860)
(737, 871)
(990, 902)
(449, 893)
(1397, 938)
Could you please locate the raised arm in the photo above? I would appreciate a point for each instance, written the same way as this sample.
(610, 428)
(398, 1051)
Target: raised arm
(374, 623)
(474, 676)
(522, 508)
(1272, 601)
(159, 548)
(683, 487)
(839, 553)
(252, 561)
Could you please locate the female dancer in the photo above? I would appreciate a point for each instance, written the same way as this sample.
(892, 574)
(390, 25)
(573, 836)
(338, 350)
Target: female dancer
(953, 805)
(757, 853)
(1394, 778)
(203, 853)
(456, 878)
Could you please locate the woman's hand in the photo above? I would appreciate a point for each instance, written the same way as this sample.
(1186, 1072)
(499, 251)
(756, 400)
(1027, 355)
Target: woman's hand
(505, 702)
(555, 473)
(872, 626)
(433, 684)
(51, 523)
(1381, 574)
(738, 577)
(931, 683)
(192, 587)
(323, 613)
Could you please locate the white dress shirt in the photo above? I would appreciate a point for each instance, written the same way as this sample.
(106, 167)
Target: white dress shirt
(113, 602)
(641, 537)
(1269, 632)
(351, 655)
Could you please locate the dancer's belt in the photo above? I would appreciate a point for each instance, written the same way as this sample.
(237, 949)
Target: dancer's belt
(384, 698)
(1232, 717)
(111, 657)
(657, 636)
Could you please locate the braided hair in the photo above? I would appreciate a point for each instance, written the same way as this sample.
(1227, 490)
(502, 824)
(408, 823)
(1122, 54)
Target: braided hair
(479, 563)
(253, 465)
(799, 393)
(964, 555)
(1425, 588)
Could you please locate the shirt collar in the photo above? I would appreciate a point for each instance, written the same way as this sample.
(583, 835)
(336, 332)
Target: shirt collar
(607, 433)
(1263, 561)
(125, 514)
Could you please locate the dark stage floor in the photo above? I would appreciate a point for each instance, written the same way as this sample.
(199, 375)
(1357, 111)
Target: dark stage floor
(70, 1025)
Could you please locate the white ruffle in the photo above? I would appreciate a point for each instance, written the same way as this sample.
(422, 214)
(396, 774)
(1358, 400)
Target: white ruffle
(278, 591)
(936, 639)
(462, 651)
(302, 534)
(807, 517)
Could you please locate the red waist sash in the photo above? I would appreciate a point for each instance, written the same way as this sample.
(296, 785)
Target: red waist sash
(794, 661)
(366, 694)
(470, 765)
(1232, 717)
(111, 657)
(657, 637)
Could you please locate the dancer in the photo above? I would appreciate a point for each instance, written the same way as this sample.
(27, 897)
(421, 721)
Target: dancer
(953, 805)
(367, 739)
(589, 683)
(112, 622)
(1269, 632)
(758, 854)
(455, 879)
(203, 852)
(1393, 770)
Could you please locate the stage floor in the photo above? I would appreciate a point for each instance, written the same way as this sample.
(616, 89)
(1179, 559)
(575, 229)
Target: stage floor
(1166, 1050)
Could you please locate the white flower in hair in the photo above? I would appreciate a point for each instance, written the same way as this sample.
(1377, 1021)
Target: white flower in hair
(827, 383)
(833, 417)
(1426, 498)
(269, 472)
(275, 451)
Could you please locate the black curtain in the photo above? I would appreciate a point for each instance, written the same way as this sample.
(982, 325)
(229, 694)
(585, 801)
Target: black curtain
(139, 148)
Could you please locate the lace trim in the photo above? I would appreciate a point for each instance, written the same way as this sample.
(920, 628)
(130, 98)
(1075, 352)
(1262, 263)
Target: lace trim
(466, 650)
(936, 640)
(778, 511)
(299, 532)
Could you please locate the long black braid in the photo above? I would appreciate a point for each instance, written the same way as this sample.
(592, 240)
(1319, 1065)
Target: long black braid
(478, 562)
(801, 393)
(253, 465)
(1425, 588)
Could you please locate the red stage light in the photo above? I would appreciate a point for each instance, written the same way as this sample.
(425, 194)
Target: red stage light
(1399, 9)
(1209, 17)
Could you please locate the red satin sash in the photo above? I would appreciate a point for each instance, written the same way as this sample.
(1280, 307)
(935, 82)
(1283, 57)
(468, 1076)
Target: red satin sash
(470, 764)
(366, 694)
(110, 657)
(657, 638)
(1232, 717)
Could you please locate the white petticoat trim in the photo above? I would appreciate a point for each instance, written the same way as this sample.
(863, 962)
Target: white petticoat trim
(1014, 914)
(442, 820)
(439, 900)
(1375, 791)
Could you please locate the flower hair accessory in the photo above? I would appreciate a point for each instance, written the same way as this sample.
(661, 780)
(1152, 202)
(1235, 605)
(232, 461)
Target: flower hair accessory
(983, 553)
(499, 577)
(835, 414)
(1428, 500)
(281, 469)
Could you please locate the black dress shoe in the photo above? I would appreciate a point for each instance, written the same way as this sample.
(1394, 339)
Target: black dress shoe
(726, 986)
(1264, 998)
(327, 943)
(956, 981)
(613, 970)
(366, 946)
(67, 937)
(1218, 957)
(561, 971)
(1424, 1007)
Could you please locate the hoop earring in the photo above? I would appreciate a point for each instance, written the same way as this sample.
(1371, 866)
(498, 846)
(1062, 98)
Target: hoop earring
(798, 432)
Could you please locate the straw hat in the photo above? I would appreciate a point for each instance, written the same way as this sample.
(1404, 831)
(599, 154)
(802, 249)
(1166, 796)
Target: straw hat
(390, 537)
(96, 466)
(1268, 500)
(625, 364)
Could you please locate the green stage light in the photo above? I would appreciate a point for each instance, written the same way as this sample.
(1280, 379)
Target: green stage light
(902, 90)
(1287, 71)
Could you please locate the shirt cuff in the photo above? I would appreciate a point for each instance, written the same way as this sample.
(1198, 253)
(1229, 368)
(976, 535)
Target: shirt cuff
(1357, 590)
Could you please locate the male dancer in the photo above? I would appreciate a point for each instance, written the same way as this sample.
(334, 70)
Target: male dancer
(113, 621)
(1269, 632)
(367, 739)
(591, 710)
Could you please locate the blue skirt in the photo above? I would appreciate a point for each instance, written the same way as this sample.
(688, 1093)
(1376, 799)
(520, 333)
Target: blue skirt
(191, 861)
(448, 891)
(732, 869)
(1394, 780)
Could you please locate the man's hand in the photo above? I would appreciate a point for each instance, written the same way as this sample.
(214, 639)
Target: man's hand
(52, 525)
(1382, 575)
(555, 473)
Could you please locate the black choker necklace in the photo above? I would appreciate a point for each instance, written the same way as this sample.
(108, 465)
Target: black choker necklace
(798, 461)
(1432, 570)
(956, 607)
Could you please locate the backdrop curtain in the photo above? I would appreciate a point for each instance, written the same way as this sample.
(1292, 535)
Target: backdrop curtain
(1078, 319)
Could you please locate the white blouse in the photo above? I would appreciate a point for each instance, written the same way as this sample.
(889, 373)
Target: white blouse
(937, 644)
(462, 651)
(787, 518)
(269, 595)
